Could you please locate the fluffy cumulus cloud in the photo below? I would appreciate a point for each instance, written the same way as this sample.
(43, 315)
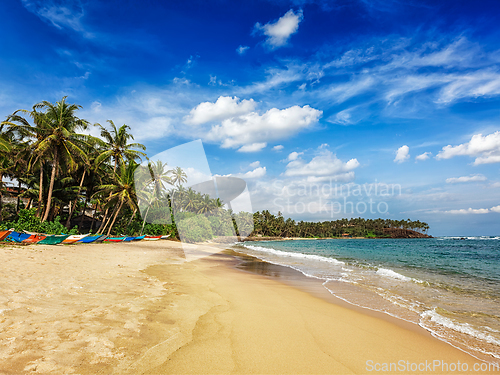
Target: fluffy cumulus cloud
(402, 154)
(256, 173)
(486, 149)
(279, 32)
(424, 156)
(278, 148)
(496, 209)
(294, 155)
(322, 167)
(252, 130)
(474, 178)
(225, 107)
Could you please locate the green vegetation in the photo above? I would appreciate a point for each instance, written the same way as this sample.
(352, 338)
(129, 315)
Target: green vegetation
(268, 225)
(65, 175)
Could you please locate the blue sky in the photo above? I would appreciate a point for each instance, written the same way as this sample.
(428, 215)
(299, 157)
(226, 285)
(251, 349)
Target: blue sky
(396, 104)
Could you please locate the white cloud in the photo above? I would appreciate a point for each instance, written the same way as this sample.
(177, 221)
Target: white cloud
(278, 148)
(474, 178)
(423, 156)
(254, 165)
(495, 209)
(486, 149)
(280, 31)
(294, 155)
(225, 107)
(322, 167)
(468, 211)
(242, 49)
(253, 147)
(256, 173)
(402, 154)
(60, 16)
(252, 128)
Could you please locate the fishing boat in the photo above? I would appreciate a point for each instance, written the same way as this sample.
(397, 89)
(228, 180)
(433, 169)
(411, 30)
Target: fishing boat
(34, 238)
(90, 239)
(152, 238)
(4, 234)
(138, 238)
(17, 237)
(100, 239)
(165, 237)
(115, 239)
(74, 238)
(53, 239)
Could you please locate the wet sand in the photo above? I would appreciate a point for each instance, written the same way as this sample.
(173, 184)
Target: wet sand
(140, 308)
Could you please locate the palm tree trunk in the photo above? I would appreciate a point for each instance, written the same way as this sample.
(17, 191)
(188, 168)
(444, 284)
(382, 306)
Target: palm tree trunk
(51, 186)
(72, 206)
(132, 217)
(40, 192)
(109, 219)
(144, 221)
(114, 219)
(18, 195)
(102, 222)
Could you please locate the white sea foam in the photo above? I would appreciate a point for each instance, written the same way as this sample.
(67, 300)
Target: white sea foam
(392, 274)
(466, 328)
(295, 255)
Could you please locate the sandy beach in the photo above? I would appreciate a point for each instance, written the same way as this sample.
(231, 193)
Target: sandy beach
(139, 308)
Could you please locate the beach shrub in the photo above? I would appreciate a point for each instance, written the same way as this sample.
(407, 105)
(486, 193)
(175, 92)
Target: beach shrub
(195, 229)
(27, 221)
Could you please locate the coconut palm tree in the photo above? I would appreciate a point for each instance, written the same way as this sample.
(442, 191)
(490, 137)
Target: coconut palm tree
(178, 176)
(117, 147)
(122, 191)
(56, 140)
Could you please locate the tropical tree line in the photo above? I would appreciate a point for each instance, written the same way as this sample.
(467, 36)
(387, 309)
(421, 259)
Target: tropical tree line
(268, 225)
(63, 172)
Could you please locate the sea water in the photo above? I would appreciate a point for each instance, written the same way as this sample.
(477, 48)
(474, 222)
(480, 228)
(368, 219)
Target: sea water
(448, 285)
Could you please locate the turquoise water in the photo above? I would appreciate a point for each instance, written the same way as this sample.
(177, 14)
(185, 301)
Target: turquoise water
(448, 285)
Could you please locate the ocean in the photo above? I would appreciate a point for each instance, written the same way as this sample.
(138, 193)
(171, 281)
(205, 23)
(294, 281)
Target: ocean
(448, 285)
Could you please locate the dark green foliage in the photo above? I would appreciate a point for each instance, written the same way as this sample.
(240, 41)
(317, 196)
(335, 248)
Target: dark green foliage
(27, 221)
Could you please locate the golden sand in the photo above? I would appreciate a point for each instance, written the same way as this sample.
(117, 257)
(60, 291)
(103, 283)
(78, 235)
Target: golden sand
(139, 308)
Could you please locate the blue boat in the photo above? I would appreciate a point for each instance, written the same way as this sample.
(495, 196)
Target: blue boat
(17, 237)
(128, 239)
(90, 239)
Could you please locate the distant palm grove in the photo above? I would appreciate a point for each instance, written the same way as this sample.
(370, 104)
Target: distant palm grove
(68, 181)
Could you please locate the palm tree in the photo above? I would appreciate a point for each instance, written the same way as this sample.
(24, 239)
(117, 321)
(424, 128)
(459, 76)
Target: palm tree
(55, 136)
(178, 176)
(122, 190)
(117, 146)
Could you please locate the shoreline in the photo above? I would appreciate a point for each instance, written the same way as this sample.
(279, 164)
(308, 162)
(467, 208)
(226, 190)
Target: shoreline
(139, 308)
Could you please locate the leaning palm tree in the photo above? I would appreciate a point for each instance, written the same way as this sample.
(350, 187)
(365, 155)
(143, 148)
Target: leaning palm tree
(122, 191)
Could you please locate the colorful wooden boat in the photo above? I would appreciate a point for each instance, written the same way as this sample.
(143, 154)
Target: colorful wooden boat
(138, 238)
(165, 237)
(74, 238)
(100, 239)
(4, 234)
(17, 237)
(90, 239)
(34, 238)
(152, 238)
(53, 239)
(114, 239)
